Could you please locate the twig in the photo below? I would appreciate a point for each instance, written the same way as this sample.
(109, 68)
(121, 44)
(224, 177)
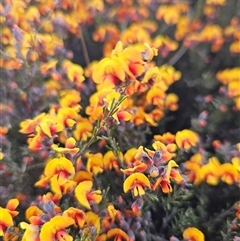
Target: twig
(221, 217)
(177, 56)
(85, 52)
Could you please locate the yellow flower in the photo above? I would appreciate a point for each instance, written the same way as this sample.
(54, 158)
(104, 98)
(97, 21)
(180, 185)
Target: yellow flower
(171, 102)
(92, 227)
(166, 151)
(57, 173)
(186, 139)
(6, 220)
(164, 45)
(77, 214)
(110, 70)
(66, 117)
(129, 156)
(83, 176)
(164, 180)
(94, 163)
(110, 161)
(74, 72)
(216, 2)
(69, 147)
(83, 129)
(210, 172)
(193, 234)
(60, 166)
(229, 173)
(55, 229)
(136, 182)
(85, 195)
(70, 98)
(6, 215)
(236, 162)
(118, 234)
(164, 184)
(33, 211)
(141, 167)
(31, 232)
(28, 126)
(46, 67)
(166, 138)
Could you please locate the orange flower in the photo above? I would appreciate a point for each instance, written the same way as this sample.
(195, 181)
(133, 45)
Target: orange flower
(216, 2)
(141, 167)
(94, 163)
(74, 72)
(46, 67)
(49, 126)
(6, 220)
(156, 96)
(229, 173)
(69, 147)
(151, 77)
(70, 98)
(171, 13)
(110, 161)
(55, 229)
(186, 139)
(66, 117)
(108, 70)
(83, 129)
(193, 234)
(6, 215)
(118, 113)
(77, 214)
(85, 196)
(118, 234)
(171, 102)
(164, 184)
(136, 182)
(106, 31)
(193, 165)
(112, 212)
(95, 109)
(11, 206)
(129, 157)
(168, 74)
(164, 45)
(209, 172)
(133, 60)
(58, 171)
(60, 166)
(166, 138)
(28, 126)
(166, 152)
(33, 211)
(164, 180)
(83, 176)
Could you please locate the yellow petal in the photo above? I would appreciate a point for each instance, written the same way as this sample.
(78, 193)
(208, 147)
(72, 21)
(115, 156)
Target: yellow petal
(81, 193)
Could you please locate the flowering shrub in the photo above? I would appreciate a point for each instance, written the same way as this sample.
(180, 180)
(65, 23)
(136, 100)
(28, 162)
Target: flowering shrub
(119, 120)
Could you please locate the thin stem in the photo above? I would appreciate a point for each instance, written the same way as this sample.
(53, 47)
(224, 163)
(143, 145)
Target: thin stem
(177, 55)
(102, 124)
(85, 52)
(221, 217)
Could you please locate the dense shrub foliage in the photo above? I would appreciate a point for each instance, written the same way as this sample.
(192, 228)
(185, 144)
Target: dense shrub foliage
(120, 120)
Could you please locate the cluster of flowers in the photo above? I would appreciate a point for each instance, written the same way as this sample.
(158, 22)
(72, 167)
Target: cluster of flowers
(83, 125)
